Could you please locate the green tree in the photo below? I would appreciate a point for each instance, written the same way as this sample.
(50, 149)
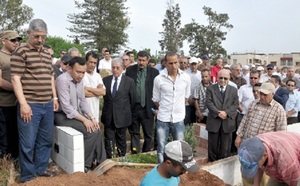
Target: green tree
(208, 39)
(58, 43)
(101, 23)
(171, 36)
(14, 14)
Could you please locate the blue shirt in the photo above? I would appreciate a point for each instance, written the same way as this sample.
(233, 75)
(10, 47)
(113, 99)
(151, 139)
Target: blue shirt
(153, 178)
(293, 102)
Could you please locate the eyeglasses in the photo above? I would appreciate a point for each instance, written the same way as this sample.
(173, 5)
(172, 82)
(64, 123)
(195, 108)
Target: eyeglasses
(253, 78)
(171, 63)
(269, 68)
(225, 78)
(246, 164)
(182, 62)
(38, 36)
(289, 85)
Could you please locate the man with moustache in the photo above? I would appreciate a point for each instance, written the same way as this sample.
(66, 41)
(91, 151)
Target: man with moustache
(33, 82)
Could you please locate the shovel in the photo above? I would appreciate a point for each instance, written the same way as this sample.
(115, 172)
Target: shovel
(107, 164)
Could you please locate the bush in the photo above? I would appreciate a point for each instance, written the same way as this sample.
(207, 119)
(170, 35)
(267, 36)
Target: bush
(189, 136)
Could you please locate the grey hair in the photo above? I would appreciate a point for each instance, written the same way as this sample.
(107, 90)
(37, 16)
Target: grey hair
(73, 49)
(37, 25)
(117, 60)
(234, 65)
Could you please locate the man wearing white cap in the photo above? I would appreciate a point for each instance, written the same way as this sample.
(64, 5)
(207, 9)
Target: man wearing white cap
(275, 153)
(8, 108)
(195, 75)
(245, 73)
(178, 159)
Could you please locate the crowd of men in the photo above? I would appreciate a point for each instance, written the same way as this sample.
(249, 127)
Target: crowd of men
(235, 102)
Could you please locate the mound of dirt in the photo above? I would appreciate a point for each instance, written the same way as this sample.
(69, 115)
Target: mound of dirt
(124, 176)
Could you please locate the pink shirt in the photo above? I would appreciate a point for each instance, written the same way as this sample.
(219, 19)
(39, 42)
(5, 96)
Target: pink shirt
(214, 73)
(283, 150)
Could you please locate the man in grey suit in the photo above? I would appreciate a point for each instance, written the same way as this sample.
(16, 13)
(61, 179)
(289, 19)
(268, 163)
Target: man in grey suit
(117, 110)
(222, 103)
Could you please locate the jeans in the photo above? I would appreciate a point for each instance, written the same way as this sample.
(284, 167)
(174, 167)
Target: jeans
(35, 140)
(163, 129)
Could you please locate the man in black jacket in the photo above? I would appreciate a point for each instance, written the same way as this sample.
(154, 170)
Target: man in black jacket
(143, 76)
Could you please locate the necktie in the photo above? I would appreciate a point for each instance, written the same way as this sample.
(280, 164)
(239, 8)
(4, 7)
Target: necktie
(115, 87)
(222, 92)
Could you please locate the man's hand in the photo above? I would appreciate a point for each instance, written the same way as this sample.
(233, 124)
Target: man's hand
(91, 125)
(238, 141)
(55, 105)
(26, 112)
(199, 116)
(222, 115)
(96, 124)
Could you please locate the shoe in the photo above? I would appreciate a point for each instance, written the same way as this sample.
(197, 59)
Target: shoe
(49, 173)
(87, 170)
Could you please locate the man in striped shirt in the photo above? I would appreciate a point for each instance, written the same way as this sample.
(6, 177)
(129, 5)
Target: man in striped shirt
(33, 82)
(275, 153)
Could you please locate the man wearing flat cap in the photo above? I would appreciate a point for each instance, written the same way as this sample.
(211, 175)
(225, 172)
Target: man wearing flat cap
(178, 159)
(275, 153)
(8, 110)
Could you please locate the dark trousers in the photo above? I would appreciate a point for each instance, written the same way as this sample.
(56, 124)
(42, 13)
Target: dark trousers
(238, 121)
(139, 117)
(219, 144)
(93, 142)
(114, 136)
(292, 120)
(190, 115)
(9, 137)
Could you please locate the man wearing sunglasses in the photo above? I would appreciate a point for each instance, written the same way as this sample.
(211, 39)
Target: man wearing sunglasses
(267, 76)
(8, 109)
(276, 154)
(222, 103)
(293, 103)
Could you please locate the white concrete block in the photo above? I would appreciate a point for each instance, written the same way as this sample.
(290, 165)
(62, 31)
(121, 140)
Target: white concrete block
(203, 132)
(294, 127)
(68, 149)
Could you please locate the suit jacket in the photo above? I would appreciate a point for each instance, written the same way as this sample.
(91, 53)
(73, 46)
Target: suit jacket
(215, 103)
(56, 70)
(132, 72)
(281, 96)
(119, 108)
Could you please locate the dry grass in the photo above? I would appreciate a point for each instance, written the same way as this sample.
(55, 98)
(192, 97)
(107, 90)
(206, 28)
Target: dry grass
(7, 173)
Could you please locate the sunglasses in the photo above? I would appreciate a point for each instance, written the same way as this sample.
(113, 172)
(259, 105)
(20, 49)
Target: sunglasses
(13, 40)
(225, 78)
(289, 85)
(254, 91)
(269, 68)
(253, 78)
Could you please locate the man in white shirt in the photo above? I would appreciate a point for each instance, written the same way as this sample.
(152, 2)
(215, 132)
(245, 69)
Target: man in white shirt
(104, 66)
(170, 93)
(93, 84)
(267, 76)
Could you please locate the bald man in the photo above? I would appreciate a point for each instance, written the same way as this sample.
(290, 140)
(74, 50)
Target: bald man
(222, 103)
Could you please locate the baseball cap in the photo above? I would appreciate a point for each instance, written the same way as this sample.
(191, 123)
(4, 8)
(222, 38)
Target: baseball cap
(205, 57)
(267, 88)
(260, 68)
(250, 152)
(193, 60)
(66, 58)
(181, 152)
(246, 67)
(10, 34)
(270, 66)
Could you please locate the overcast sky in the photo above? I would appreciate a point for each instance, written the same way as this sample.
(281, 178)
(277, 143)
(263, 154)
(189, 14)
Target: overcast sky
(261, 26)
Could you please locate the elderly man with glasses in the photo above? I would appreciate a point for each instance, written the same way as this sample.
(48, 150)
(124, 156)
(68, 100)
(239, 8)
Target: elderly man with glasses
(222, 103)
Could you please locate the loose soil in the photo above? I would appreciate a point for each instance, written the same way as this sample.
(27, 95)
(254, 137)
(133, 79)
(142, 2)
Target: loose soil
(123, 176)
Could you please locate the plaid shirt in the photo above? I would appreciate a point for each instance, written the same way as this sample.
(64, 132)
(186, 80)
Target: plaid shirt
(199, 95)
(283, 156)
(262, 118)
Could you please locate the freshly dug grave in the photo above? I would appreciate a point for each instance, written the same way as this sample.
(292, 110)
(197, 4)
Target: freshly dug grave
(123, 176)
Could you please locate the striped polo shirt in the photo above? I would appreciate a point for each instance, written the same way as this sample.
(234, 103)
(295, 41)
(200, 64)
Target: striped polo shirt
(35, 69)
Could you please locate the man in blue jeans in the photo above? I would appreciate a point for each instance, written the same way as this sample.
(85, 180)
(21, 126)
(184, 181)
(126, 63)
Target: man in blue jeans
(170, 93)
(33, 82)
